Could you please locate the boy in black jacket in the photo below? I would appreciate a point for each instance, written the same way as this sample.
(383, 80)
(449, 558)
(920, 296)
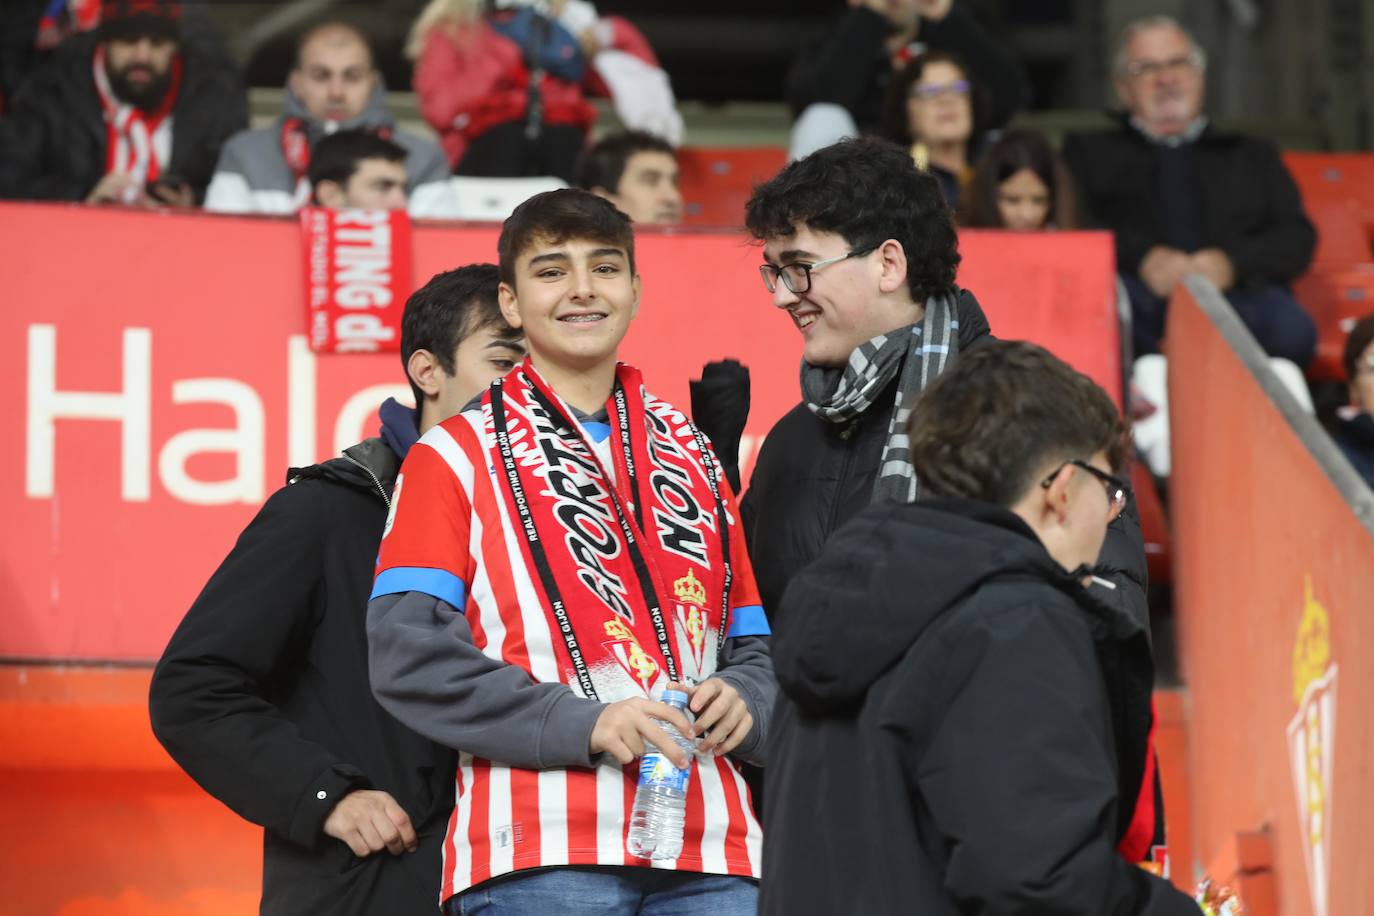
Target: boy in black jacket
(970, 724)
(262, 695)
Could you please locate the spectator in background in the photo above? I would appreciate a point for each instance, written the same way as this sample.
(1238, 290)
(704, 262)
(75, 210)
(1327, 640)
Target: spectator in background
(472, 77)
(133, 113)
(262, 694)
(358, 169)
(1020, 184)
(837, 86)
(1354, 425)
(333, 86)
(1184, 197)
(637, 172)
(934, 109)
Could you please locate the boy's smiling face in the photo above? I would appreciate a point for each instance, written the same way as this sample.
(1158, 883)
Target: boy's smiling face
(574, 300)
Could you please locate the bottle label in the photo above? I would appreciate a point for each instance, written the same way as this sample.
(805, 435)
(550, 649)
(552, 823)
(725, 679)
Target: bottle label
(657, 771)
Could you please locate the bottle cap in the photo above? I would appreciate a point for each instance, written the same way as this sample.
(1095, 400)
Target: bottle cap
(674, 697)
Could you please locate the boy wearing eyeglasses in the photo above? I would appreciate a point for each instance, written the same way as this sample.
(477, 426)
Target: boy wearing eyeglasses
(1000, 757)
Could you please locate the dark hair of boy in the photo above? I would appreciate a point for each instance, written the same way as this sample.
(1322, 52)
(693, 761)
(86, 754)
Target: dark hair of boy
(867, 191)
(1361, 336)
(1015, 151)
(336, 157)
(602, 164)
(558, 216)
(1003, 412)
(431, 322)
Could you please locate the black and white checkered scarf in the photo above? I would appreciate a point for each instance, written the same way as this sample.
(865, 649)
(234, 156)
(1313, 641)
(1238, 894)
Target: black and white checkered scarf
(920, 352)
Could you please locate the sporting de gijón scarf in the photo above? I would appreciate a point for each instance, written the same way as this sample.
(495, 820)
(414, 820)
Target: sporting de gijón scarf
(611, 577)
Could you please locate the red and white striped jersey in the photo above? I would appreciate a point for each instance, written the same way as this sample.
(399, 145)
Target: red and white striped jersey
(454, 534)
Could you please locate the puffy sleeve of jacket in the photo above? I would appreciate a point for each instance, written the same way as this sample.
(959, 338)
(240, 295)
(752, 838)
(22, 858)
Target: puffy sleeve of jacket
(1018, 774)
(210, 700)
(455, 72)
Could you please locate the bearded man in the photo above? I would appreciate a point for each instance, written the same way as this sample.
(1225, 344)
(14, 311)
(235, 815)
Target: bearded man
(133, 113)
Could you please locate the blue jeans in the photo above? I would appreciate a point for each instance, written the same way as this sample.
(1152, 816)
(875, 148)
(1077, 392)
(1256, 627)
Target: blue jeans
(1279, 323)
(594, 890)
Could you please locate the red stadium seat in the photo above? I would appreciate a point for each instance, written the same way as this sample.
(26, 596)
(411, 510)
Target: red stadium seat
(716, 182)
(1338, 194)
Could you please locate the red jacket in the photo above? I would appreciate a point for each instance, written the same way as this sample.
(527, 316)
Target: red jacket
(470, 81)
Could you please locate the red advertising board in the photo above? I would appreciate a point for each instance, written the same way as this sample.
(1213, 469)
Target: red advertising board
(161, 382)
(1274, 566)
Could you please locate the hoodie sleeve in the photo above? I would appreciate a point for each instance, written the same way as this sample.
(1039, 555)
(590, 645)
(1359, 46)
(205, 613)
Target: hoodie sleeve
(209, 699)
(229, 191)
(1018, 774)
(427, 672)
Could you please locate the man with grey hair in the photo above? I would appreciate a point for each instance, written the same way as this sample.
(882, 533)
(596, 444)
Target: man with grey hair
(1184, 197)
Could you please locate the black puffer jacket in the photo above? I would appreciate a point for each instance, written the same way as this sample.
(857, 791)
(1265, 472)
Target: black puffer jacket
(963, 728)
(812, 476)
(52, 137)
(262, 696)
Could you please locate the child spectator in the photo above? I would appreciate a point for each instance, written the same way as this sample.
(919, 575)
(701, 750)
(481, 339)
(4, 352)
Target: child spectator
(1020, 184)
(975, 727)
(262, 694)
(558, 554)
(134, 113)
(473, 70)
(358, 169)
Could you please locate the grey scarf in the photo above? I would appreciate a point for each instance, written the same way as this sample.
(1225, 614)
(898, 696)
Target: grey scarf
(920, 352)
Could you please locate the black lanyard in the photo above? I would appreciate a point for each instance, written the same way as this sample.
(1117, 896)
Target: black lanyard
(541, 558)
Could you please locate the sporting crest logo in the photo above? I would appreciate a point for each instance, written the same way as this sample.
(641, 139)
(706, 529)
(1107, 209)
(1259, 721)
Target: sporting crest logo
(1312, 744)
(692, 616)
(627, 651)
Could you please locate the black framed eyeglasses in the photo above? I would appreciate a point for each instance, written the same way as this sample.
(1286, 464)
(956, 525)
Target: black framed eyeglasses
(797, 276)
(1115, 486)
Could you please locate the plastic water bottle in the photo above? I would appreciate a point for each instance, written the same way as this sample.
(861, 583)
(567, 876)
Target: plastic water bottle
(661, 800)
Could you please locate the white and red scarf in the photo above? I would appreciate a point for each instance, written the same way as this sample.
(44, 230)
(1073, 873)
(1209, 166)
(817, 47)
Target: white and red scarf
(137, 142)
(648, 538)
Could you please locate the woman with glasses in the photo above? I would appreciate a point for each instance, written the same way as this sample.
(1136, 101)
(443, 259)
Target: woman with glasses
(838, 84)
(935, 108)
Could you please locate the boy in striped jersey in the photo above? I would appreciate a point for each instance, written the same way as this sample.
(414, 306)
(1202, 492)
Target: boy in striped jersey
(557, 555)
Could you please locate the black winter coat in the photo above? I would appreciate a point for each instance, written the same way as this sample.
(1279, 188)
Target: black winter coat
(52, 137)
(1250, 206)
(263, 697)
(965, 728)
(811, 476)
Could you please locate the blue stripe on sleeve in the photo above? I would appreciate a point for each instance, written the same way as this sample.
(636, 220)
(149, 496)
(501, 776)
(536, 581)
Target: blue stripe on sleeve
(437, 583)
(749, 620)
